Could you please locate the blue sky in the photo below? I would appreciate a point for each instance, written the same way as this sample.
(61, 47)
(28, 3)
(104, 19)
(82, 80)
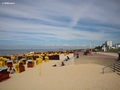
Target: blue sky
(58, 23)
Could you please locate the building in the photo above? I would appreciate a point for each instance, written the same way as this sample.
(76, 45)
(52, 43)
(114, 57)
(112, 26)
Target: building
(109, 44)
(117, 45)
(104, 47)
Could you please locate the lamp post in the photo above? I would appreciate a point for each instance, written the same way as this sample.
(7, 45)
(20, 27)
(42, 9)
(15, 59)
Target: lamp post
(90, 46)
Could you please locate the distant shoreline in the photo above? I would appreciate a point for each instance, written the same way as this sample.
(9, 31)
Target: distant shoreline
(6, 52)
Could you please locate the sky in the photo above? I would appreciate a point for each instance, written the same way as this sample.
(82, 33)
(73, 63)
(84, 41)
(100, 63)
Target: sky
(37, 24)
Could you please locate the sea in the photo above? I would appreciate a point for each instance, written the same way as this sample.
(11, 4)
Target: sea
(7, 52)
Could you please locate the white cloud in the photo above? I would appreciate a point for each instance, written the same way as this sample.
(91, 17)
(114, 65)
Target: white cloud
(84, 45)
(63, 33)
(28, 20)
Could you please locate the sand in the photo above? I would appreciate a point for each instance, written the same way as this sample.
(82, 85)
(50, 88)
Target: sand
(86, 74)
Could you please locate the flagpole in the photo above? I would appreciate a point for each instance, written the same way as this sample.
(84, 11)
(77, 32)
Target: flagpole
(90, 46)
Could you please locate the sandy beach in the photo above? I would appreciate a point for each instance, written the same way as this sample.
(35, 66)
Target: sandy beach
(84, 74)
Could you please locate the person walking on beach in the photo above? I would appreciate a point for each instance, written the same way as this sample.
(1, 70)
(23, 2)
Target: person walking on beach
(77, 55)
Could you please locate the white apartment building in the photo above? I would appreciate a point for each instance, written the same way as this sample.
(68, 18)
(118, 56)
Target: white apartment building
(109, 44)
(117, 45)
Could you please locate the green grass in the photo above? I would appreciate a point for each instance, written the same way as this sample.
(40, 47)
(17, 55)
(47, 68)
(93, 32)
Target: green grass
(113, 50)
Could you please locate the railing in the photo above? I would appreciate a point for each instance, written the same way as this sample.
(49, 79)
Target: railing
(114, 67)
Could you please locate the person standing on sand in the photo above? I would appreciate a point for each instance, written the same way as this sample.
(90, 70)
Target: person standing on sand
(119, 55)
(74, 55)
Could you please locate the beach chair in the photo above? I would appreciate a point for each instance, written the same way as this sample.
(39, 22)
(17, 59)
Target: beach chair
(9, 63)
(38, 61)
(19, 67)
(46, 59)
(3, 73)
(30, 64)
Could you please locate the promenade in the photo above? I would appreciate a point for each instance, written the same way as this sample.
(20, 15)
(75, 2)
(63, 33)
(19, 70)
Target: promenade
(106, 53)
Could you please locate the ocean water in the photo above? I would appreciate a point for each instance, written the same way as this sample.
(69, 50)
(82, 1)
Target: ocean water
(7, 52)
